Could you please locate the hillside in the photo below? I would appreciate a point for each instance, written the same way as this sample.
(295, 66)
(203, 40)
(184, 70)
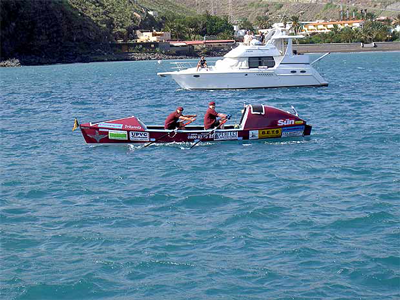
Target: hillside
(62, 31)
(48, 31)
(121, 17)
(306, 9)
(43, 31)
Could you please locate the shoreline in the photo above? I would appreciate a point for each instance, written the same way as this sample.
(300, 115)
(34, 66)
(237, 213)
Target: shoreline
(346, 47)
(300, 48)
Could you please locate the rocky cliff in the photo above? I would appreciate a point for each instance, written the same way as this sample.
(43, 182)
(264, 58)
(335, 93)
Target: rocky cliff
(44, 31)
(62, 31)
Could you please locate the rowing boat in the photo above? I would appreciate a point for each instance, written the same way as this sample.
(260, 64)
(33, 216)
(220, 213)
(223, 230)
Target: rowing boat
(257, 122)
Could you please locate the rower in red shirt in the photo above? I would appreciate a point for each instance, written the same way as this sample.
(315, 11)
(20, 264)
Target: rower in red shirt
(210, 118)
(172, 121)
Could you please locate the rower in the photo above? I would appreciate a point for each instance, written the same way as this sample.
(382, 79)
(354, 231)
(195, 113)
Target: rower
(210, 118)
(173, 121)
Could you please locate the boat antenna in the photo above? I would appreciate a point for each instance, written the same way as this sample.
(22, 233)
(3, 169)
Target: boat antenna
(161, 64)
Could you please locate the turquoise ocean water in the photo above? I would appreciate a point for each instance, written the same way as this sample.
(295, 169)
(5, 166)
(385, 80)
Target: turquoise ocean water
(314, 218)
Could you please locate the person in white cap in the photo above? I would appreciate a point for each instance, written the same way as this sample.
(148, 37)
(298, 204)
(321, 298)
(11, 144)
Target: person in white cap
(210, 118)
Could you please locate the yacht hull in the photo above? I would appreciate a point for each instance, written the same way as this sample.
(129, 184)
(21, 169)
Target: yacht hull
(253, 65)
(247, 80)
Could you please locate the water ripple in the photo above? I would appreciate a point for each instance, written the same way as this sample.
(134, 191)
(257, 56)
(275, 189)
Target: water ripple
(312, 218)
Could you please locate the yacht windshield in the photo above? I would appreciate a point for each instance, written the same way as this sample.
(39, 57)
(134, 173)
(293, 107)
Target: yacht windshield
(266, 61)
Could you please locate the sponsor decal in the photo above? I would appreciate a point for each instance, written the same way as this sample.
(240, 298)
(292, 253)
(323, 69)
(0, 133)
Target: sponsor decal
(139, 136)
(298, 122)
(199, 136)
(97, 136)
(133, 127)
(110, 125)
(269, 133)
(253, 134)
(221, 136)
(293, 131)
(285, 122)
(117, 135)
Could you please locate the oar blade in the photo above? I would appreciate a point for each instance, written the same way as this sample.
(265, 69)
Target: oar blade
(195, 144)
(160, 138)
(211, 132)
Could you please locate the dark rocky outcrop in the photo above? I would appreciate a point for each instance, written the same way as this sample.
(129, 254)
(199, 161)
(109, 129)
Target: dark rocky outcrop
(10, 63)
(43, 32)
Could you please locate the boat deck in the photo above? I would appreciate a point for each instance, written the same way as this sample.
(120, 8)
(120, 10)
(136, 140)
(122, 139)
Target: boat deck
(196, 128)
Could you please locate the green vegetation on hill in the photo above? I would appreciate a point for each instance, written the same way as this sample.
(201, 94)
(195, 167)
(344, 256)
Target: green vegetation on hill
(166, 6)
(122, 17)
(118, 17)
(372, 31)
(198, 26)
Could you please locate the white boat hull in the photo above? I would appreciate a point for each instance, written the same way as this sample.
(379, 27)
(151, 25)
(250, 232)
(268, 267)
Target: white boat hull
(254, 66)
(249, 79)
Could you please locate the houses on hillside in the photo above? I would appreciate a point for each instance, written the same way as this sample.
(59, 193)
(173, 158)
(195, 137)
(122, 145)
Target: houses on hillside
(152, 36)
(309, 28)
(323, 27)
(162, 41)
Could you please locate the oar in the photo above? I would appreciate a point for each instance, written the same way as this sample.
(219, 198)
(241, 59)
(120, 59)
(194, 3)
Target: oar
(163, 136)
(187, 123)
(211, 132)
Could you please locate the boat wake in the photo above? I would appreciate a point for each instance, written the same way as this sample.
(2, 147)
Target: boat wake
(180, 145)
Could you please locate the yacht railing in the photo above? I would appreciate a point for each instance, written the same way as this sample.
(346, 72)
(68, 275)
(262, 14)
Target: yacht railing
(183, 65)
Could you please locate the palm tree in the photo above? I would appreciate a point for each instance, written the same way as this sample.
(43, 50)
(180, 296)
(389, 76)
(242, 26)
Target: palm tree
(177, 29)
(374, 31)
(284, 21)
(396, 21)
(347, 34)
(244, 23)
(263, 22)
(192, 26)
(295, 24)
(335, 29)
(370, 16)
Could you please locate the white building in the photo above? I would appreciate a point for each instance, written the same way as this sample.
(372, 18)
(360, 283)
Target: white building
(321, 27)
(152, 36)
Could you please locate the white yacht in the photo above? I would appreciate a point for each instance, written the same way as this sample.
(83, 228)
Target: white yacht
(273, 64)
